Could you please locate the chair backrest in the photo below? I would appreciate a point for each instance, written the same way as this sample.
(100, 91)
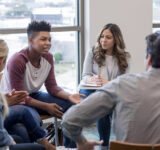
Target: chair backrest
(156, 147)
(43, 117)
(116, 145)
(54, 135)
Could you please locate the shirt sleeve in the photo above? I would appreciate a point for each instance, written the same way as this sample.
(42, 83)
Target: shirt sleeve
(88, 66)
(50, 83)
(5, 138)
(89, 111)
(16, 68)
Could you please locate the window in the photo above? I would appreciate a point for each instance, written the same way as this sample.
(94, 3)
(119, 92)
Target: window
(18, 13)
(156, 15)
(66, 18)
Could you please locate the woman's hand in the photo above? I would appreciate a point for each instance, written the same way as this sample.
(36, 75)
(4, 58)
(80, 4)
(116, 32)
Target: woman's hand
(95, 79)
(99, 80)
(16, 97)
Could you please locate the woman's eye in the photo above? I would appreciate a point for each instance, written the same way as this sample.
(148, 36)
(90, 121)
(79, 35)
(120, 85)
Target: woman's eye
(102, 36)
(109, 37)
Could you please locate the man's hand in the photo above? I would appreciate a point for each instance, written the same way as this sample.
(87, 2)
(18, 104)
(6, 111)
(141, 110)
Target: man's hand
(88, 145)
(16, 97)
(76, 98)
(54, 110)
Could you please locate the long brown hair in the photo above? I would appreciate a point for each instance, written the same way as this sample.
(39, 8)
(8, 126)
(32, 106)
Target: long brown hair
(118, 50)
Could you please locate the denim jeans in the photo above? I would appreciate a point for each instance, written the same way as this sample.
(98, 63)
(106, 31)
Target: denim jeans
(65, 104)
(28, 146)
(17, 139)
(20, 130)
(23, 146)
(48, 98)
(28, 117)
(44, 97)
(103, 124)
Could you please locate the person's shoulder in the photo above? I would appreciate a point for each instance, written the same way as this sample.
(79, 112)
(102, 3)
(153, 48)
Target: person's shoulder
(19, 58)
(50, 55)
(128, 55)
(90, 53)
(127, 76)
(130, 78)
(91, 50)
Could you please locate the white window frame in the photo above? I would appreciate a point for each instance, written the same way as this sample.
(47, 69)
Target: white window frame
(79, 28)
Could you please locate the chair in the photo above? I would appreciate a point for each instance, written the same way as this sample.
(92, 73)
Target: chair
(157, 147)
(116, 145)
(43, 117)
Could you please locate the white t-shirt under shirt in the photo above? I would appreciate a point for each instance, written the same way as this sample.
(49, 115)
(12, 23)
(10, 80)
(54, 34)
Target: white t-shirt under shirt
(91, 68)
(107, 70)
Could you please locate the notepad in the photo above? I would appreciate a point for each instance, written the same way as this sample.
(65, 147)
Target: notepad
(90, 85)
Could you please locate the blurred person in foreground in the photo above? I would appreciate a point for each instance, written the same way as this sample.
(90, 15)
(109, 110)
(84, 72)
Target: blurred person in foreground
(6, 141)
(134, 98)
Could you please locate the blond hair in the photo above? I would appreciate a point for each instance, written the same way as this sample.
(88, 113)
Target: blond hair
(3, 48)
(3, 53)
(4, 104)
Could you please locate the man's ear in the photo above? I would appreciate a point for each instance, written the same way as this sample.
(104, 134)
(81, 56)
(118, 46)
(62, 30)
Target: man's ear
(148, 62)
(30, 40)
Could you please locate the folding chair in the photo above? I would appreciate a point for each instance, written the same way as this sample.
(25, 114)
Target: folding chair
(157, 147)
(43, 117)
(116, 145)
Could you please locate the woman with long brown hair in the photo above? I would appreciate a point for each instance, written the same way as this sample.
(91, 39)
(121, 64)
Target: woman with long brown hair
(107, 60)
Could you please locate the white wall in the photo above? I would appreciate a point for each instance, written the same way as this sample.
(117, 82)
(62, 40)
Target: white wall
(134, 17)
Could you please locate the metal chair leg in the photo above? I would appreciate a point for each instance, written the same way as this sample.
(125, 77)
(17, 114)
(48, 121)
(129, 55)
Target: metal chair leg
(56, 131)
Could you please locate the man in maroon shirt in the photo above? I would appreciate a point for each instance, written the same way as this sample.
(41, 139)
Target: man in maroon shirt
(32, 67)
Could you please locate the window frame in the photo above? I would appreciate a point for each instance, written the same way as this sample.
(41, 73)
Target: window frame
(79, 28)
(156, 25)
